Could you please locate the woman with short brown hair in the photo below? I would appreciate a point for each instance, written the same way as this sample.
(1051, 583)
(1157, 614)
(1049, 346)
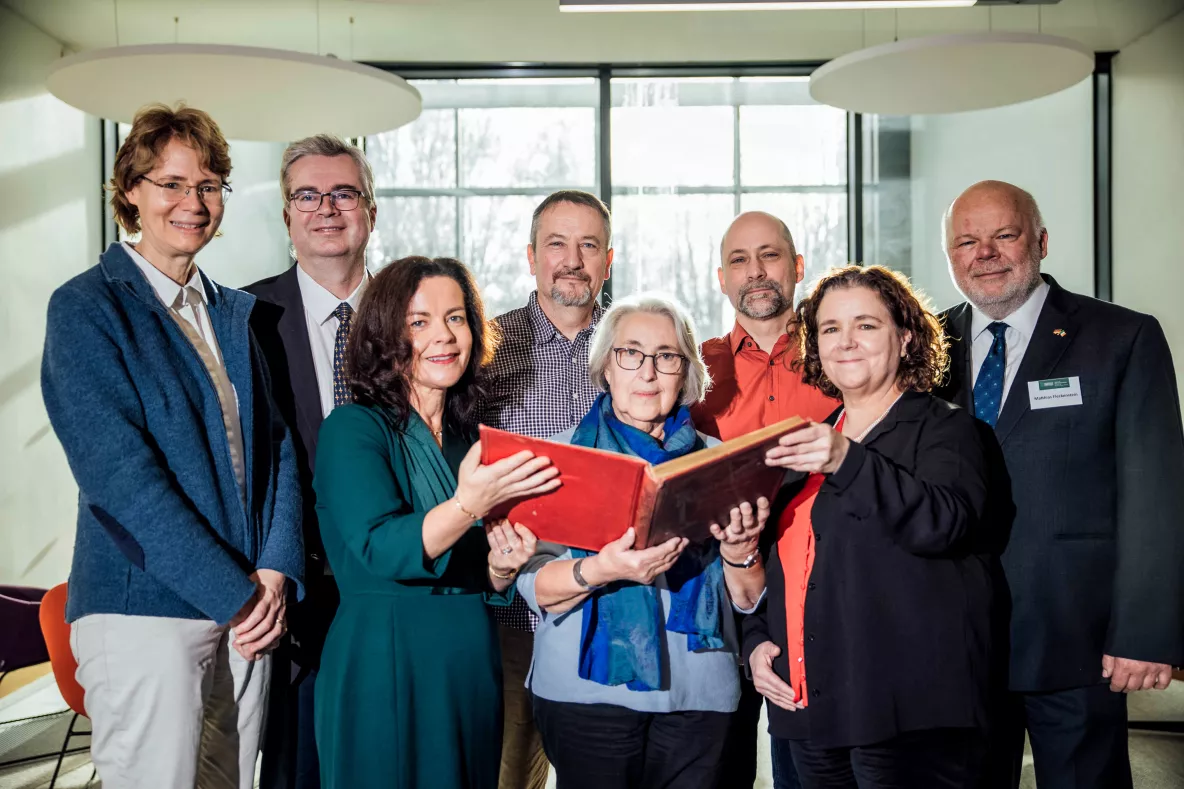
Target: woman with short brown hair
(878, 586)
(188, 528)
(154, 128)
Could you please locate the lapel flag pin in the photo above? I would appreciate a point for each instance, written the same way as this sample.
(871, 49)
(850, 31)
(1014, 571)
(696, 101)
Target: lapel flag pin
(1059, 332)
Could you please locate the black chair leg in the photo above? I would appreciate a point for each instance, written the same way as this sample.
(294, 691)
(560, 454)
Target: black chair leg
(62, 752)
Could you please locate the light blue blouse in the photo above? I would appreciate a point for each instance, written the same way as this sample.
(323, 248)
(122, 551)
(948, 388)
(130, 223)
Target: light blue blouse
(706, 681)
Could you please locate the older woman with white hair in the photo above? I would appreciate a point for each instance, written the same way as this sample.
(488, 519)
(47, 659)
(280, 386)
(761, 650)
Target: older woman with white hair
(634, 667)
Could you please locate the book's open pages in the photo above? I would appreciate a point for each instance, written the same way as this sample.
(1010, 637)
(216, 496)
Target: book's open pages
(602, 493)
(697, 490)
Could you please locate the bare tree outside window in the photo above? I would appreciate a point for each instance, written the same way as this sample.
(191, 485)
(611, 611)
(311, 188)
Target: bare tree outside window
(687, 155)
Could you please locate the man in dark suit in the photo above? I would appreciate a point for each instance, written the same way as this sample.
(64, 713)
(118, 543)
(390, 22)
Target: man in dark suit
(1083, 400)
(302, 319)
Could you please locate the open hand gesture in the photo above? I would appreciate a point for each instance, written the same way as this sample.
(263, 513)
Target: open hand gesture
(740, 538)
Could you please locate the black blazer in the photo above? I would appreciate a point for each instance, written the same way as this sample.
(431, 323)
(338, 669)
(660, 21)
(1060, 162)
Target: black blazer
(279, 324)
(1095, 562)
(897, 610)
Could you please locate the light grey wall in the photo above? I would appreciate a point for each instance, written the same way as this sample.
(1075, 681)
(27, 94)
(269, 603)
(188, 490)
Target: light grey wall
(49, 231)
(1044, 146)
(1149, 180)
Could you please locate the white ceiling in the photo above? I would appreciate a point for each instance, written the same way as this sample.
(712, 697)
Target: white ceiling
(455, 31)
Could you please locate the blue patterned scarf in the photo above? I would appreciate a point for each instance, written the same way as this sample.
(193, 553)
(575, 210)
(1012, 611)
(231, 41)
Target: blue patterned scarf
(622, 637)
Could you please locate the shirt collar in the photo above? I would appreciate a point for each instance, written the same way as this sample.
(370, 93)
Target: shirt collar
(543, 330)
(166, 289)
(1022, 320)
(738, 336)
(319, 302)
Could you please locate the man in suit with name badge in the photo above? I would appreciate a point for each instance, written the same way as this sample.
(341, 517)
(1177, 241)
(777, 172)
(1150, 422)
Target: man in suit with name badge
(1082, 397)
(302, 319)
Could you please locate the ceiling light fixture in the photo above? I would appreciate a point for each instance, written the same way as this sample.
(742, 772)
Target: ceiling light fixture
(951, 73)
(252, 93)
(605, 6)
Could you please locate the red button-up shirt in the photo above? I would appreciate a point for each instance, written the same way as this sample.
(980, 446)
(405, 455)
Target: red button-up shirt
(752, 389)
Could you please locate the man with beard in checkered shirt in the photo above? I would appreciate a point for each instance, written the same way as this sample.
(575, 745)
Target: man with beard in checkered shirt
(538, 385)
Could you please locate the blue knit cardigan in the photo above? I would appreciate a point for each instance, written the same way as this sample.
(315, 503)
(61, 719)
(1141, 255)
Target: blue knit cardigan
(162, 528)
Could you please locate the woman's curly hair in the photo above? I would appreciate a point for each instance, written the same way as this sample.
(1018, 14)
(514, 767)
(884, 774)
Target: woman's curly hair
(379, 356)
(926, 356)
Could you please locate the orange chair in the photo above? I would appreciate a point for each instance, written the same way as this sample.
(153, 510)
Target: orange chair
(56, 630)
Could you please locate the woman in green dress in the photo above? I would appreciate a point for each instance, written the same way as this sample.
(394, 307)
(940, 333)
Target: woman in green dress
(409, 691)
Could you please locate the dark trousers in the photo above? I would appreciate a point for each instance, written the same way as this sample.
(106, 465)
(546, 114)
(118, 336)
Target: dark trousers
(1078, 738)
(738, 769)
(289, 743)
(933, 759)
(603, 746)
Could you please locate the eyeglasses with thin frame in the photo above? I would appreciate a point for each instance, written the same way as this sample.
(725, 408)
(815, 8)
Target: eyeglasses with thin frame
(664, 362)
(342, 199)
(212, 195)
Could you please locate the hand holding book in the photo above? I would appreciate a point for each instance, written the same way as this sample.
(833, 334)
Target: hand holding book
(739, 539)
(620, 561)
(483, 485)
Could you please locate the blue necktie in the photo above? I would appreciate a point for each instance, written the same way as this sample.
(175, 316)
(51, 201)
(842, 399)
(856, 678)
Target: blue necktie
(988, 388)
(341, 393)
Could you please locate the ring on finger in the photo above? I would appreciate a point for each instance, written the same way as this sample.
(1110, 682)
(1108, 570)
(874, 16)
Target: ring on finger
(507, 550)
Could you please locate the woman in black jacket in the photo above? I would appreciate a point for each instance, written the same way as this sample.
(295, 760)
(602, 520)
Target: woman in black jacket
(878, 589)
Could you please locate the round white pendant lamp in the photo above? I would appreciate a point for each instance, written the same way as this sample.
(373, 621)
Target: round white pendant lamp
(252, 93)
(951, 73)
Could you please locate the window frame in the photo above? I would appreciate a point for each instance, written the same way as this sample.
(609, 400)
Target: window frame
(604, 74)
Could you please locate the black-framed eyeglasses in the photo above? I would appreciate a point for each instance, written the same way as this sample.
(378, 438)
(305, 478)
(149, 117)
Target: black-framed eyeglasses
(212, 195)
(664, 362)
(341, 199)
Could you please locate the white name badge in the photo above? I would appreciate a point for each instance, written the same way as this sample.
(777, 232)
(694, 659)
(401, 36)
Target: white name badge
(1054, 392)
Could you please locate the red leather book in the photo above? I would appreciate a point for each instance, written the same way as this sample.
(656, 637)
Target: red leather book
(604, 493)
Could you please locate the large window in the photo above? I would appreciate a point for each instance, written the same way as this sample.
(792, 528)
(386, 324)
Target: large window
(689, 154)
(684, 156)
(463, 180)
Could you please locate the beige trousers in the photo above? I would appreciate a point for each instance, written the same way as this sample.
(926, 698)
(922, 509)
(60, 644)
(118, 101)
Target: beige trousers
(171, 703)
(524, 765)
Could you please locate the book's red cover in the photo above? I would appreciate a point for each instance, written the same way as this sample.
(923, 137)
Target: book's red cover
(566, 515)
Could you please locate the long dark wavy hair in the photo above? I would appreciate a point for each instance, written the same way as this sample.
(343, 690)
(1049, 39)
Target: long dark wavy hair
(378, 358)
(926, 357)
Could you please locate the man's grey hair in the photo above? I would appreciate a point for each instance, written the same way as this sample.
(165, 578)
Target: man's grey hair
(696, 379)
(575, 197)
(1027, 203)
(325, 145)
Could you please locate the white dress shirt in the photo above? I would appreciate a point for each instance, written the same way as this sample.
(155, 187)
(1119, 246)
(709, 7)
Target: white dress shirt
(167, 290)
(322, 324)
(1021, 325)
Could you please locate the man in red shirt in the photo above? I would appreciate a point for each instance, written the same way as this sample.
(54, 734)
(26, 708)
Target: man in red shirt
(753, 386)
